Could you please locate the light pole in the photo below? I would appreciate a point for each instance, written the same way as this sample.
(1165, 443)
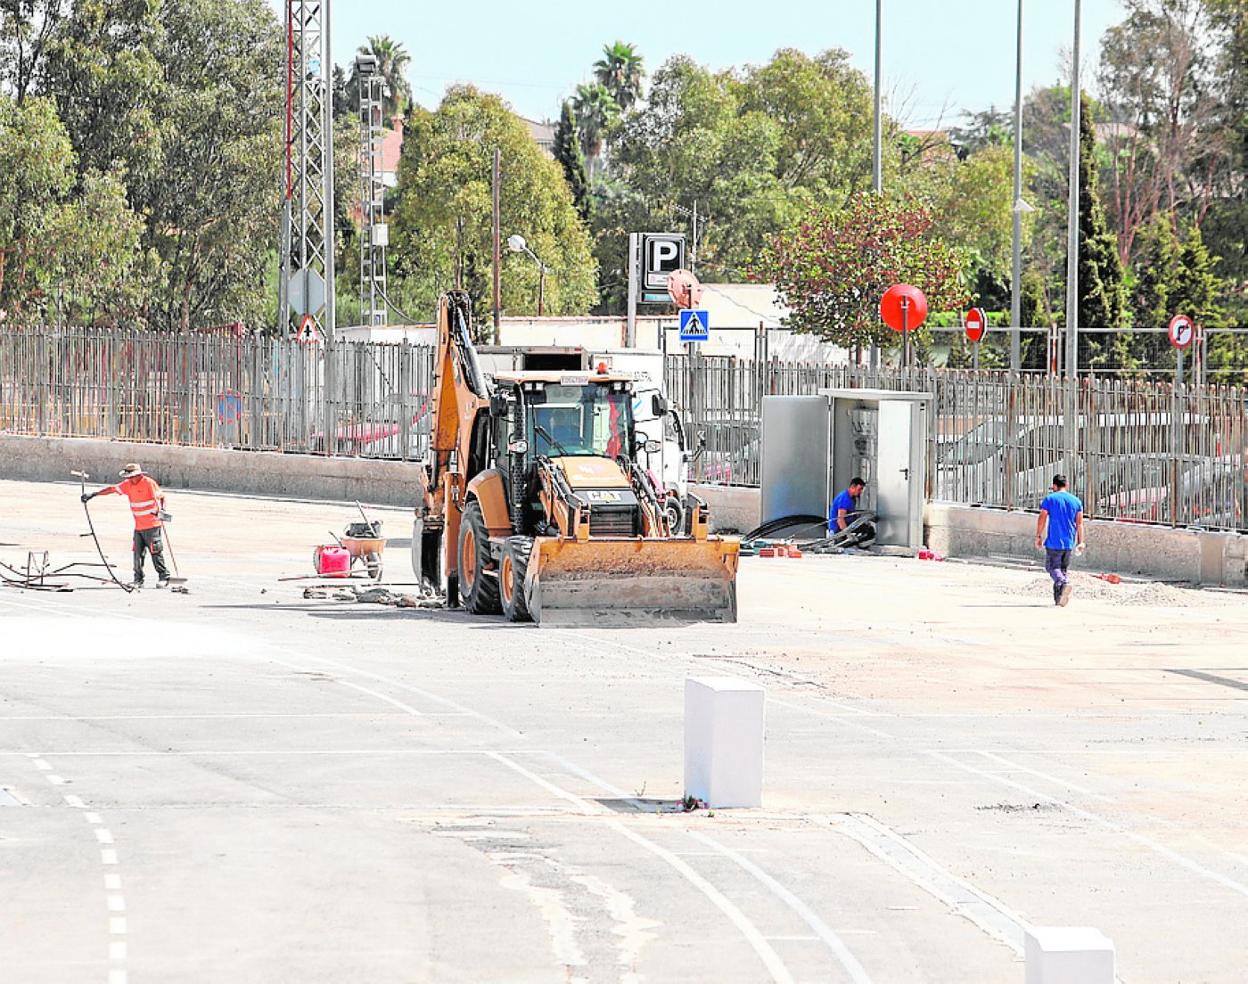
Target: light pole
(1016, 287)
(517, 244)
(1072, 222)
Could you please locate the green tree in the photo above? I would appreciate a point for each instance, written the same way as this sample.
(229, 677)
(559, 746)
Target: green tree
(27, 27)
(93, 270)
(832, 270)
(621, 71)
(442, 230)
(1034, 312)
(36, 170)
(212, 211)
(392, 61)
(102, 69)
(571, 158)
(1101, 289)
(1154, 288)
(596, 112)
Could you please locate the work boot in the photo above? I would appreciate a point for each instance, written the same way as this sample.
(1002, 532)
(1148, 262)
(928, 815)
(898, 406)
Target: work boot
(1063, 597)
(136, 585)
(163, 582)
(1057, 593)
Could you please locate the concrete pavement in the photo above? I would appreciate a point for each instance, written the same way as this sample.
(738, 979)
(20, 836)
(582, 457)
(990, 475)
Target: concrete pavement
(243, 785)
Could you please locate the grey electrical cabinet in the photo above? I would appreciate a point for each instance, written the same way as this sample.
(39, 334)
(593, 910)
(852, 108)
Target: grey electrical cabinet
(812, 446)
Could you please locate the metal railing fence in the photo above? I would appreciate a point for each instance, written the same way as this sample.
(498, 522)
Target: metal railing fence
(247, 391)
(1150, 452)
(1146, 452)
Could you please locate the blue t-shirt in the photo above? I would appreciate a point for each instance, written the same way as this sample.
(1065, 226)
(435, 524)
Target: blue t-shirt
(1062, 508)
(843, 501)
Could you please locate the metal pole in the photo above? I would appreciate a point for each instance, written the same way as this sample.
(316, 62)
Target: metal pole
(905, 333)
(693, 254)
(630, 330)
(327, 106)
(541, 288)
(1016, 286)
(498, 253)
(877, 171)
(1072, 231)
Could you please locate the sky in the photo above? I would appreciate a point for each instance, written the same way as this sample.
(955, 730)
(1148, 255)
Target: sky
(940, 56)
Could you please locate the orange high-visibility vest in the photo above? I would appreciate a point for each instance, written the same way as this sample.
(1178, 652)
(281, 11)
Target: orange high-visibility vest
(145, 498)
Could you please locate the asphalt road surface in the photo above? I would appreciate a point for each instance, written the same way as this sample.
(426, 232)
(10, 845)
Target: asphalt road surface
(240, 784)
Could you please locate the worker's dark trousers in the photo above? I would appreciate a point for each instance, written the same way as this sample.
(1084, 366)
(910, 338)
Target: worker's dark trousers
(149, 541)
(1057, 563)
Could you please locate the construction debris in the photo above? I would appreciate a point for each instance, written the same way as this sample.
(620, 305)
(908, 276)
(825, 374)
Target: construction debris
(372, 596)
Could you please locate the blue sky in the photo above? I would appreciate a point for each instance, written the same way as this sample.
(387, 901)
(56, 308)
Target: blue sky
(938, 53)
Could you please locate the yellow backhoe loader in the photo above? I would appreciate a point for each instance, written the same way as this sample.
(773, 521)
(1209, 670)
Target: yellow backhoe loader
(535, 504)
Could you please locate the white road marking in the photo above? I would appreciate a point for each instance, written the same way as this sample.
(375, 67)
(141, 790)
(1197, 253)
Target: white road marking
(104, 836)
(406, 709)
(76, 802)
(42, 766)
(210, 717)
(91, 817)
(108, 856)
(1001, 760)
(853, 968)
(117, 950)
(989, 914)
(55, 780)
(112, 883)
(116, 903)
(1182, 860)
(117, 925)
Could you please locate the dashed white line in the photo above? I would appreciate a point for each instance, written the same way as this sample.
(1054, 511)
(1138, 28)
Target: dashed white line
(108, 856)
(117, 903)
(56, 780)
(92, 818)
(104, 836)
(117, 925)
(112, 883)
(117, 950)
(42, 766)
(76, 802)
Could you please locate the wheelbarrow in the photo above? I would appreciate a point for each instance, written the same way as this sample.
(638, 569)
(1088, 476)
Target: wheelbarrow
(365, 544)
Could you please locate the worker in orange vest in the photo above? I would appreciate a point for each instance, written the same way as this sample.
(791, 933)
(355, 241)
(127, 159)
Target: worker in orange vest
(147, 503)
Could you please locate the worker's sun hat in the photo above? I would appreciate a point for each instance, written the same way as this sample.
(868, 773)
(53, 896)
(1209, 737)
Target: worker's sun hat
(131, 470)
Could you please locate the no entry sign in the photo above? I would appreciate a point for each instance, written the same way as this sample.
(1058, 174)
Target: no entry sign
(1182, 331)
(976, 324)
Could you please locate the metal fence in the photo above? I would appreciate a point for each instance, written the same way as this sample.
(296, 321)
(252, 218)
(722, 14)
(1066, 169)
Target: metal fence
(1134, 451)
(226, 391)
(1144, 452)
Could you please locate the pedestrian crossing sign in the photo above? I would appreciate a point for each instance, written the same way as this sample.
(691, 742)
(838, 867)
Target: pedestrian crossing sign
(695, 326)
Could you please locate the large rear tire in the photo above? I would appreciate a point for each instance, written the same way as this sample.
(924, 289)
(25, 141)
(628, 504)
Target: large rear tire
(511, 576)
(478, 588)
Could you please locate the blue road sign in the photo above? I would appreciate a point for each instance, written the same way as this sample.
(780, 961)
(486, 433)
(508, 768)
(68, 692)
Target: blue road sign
(695, 326)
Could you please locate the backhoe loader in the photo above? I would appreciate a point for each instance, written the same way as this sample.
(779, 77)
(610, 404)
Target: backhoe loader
(535, 504)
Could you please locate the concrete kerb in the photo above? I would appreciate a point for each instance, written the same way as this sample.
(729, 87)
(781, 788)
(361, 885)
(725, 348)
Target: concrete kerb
(1196, 556)
(264, 473)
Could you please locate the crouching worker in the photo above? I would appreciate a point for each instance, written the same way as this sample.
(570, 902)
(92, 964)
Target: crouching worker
(147, 503)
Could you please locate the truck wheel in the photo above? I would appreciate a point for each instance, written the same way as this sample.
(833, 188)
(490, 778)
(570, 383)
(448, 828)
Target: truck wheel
(511, 578)
(479, 589)
(675, 510)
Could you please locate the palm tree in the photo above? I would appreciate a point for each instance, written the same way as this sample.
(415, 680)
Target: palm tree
(595, 110)
(392, 61)
(620, 70)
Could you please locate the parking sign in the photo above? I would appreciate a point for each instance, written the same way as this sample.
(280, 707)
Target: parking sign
(662, 253)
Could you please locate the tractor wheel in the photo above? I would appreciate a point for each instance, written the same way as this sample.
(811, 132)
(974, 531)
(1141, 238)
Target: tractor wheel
(478, 586)
(675, 510)
(511, 578)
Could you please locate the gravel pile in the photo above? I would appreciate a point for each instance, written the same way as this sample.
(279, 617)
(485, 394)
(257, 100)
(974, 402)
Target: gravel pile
(1150, 594)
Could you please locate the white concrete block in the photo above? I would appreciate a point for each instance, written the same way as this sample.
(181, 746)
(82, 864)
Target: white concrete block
(724, 741)
(1069, 955)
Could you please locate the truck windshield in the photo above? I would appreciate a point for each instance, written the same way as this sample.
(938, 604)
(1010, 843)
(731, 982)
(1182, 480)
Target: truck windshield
(572, 420)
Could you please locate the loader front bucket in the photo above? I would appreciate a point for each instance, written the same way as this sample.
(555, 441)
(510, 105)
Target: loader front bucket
(632, 582)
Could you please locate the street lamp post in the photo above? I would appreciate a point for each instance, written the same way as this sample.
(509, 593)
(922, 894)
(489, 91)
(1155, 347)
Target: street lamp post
(517, 244)
(1016, 288)
(1072, 221)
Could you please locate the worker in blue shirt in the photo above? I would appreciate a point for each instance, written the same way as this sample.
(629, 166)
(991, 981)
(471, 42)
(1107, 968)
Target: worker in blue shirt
(841, 514)
(1062, 513)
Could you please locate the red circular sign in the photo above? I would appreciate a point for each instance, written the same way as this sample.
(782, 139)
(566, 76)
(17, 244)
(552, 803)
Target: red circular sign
(1182, 331)
(903, 308)
(976, 324)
